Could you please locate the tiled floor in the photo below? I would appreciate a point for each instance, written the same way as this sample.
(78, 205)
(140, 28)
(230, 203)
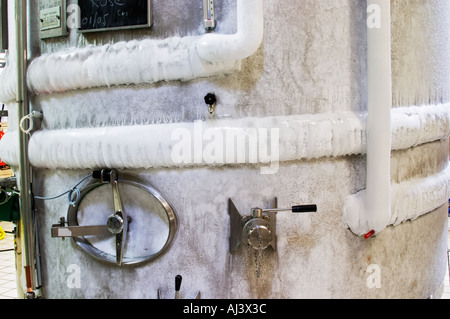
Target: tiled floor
(8, 288)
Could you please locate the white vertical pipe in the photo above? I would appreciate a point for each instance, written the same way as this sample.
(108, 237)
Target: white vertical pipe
(378, 186)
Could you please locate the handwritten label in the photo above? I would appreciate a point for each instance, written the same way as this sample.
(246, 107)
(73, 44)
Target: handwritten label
(97, 15)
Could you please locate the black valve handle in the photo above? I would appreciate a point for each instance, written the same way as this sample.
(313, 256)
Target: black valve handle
(178, 280)
(294, 209)
(304, 209)
(210, 99)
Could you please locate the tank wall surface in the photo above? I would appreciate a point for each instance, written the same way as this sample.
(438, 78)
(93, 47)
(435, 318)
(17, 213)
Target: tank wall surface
(312, 60)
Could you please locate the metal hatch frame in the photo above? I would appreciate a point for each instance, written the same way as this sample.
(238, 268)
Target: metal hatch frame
(129, 179)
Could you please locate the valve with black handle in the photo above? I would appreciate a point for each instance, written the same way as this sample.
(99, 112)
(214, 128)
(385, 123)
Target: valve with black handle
(258, 230)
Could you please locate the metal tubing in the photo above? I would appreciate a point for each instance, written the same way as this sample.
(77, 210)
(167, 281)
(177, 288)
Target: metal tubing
(24, 166)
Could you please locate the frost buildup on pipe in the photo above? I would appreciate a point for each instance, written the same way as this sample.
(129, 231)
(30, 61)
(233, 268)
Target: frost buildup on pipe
(148, 60)
(231, 47)
(378, 187)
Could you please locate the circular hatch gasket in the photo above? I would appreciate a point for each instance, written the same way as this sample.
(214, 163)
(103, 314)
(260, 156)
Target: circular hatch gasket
(126, 179)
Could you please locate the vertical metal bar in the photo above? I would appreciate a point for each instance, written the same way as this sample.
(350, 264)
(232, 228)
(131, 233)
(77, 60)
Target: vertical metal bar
(38, 257)
(24, 166)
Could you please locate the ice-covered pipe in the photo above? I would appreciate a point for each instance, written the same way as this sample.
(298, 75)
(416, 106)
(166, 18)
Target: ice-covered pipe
(409, 201)
(336, 134)
(145, 61)
(230, 47)
(378, 187)
(238, 141)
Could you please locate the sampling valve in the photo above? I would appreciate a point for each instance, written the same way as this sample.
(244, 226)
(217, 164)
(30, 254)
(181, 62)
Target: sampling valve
(258, 230)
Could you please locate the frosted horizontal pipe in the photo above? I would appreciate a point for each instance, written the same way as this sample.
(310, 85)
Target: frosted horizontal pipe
(8, 79)
(145, 61)
(9, 148)
(133, 62)
(409, 201)
(300, 137)
(261, 141)
(412, 126)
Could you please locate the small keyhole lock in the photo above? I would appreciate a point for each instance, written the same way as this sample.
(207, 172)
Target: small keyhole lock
(258, 230)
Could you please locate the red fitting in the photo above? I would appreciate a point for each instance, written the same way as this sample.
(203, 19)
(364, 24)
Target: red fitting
(369, 234)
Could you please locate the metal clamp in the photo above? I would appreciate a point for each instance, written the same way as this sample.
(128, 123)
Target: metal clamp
(116, 224)
(30, 118)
